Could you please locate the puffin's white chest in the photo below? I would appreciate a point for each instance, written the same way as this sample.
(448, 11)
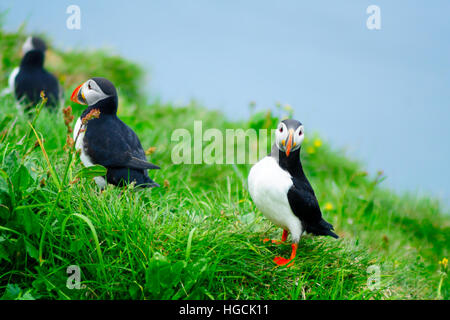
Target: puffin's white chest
(12, 79)
(79, 145)
(268, 185)
(12, 86)
(78, 136)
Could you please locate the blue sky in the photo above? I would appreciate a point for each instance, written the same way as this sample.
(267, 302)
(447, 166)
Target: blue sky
(383, 95)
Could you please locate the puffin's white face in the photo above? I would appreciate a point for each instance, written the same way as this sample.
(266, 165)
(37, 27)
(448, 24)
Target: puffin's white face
(27, 46)
(89, 93)
(288, 140)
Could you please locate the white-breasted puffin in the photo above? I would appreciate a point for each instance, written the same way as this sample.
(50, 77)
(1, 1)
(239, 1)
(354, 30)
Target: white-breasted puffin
(28, 80)
(107, 140)
(280, 189)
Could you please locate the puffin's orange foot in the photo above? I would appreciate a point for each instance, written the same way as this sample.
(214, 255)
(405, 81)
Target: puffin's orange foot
(272, 241)
(283, 238)
(283, 261)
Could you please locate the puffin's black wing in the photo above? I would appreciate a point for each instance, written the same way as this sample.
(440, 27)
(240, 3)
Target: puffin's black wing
(305, 206)
(136, 163)
(29, 83)
(111, 143)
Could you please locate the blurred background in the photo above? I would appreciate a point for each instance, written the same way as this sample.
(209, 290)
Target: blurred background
(382, 95)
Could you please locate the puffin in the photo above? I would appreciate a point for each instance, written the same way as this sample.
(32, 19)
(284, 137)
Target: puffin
(106, 140)
(28, 80)
(281, 191)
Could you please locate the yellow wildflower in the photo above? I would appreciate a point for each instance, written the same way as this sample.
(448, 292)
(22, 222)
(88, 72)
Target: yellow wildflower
(43, 97)
(328, 206)
(444, 263)
(310, 149)
(150, 150)
(317, 143)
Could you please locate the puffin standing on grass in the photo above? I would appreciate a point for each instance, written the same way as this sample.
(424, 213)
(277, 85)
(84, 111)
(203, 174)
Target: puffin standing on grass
(106, 140)
(280, 189)
(27, 81)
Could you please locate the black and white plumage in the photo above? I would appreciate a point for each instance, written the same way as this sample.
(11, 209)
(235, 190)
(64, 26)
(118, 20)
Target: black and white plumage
(281, 190)
(107, 140)
(28, 80)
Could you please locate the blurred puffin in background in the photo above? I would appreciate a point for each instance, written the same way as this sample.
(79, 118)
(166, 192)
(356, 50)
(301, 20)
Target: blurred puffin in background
(106, 140)
(28, 80)
(280, 189)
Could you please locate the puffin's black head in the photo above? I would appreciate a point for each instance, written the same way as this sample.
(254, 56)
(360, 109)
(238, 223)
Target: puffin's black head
(97, 91)
(33, 43)
(33, 51)
(289, 135)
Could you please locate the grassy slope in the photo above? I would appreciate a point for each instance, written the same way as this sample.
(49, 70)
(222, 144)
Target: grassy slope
(200, 235)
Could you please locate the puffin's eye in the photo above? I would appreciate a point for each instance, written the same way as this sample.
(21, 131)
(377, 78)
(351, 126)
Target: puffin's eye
(300, 132)
(89, 86)
(281, 129)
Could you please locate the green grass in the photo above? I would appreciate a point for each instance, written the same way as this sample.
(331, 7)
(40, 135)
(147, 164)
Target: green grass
(199, 235)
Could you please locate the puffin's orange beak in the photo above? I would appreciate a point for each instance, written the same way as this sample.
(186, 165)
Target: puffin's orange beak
(289, 142)
(77, 95)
